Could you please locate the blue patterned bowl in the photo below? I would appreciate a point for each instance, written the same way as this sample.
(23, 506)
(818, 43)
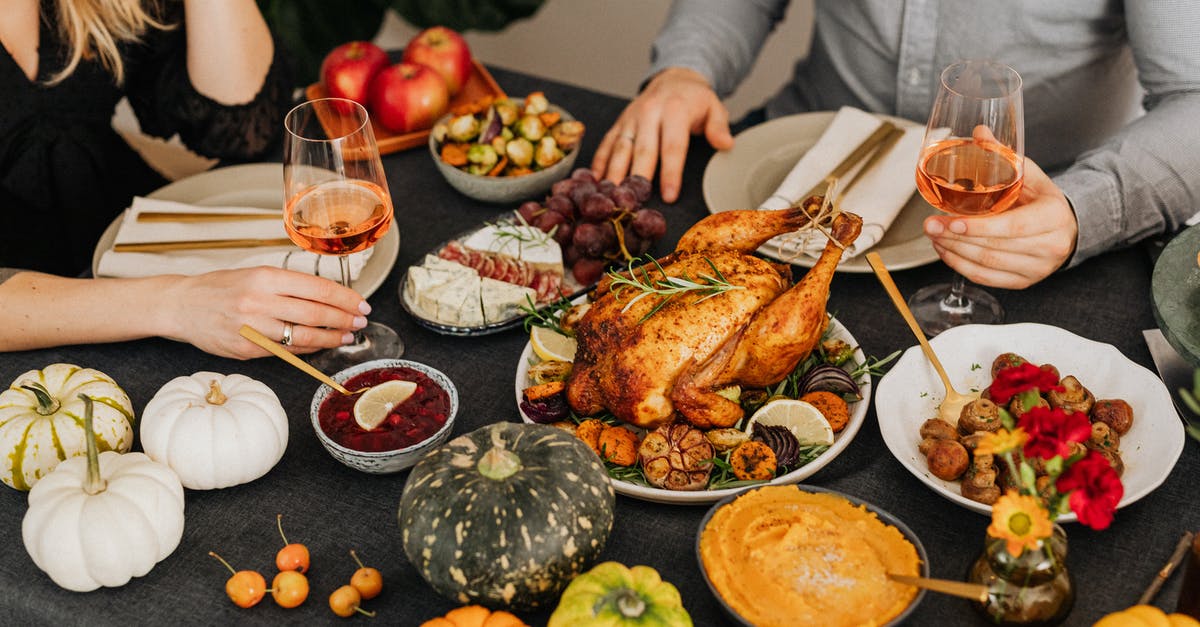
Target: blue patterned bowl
(383, 462)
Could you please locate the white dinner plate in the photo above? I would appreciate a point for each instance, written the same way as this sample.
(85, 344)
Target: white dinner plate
(746, 175)
(911, 391)
(254, 185)
(858, 414)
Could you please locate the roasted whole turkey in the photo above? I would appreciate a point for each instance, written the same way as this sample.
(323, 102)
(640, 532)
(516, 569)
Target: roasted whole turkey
(648, 369)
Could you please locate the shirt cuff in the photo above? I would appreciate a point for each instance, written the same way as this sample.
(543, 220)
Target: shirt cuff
(1097, 204)
(691, 61)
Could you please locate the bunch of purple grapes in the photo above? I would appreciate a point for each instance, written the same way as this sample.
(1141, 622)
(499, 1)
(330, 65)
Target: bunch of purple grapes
(597, 222)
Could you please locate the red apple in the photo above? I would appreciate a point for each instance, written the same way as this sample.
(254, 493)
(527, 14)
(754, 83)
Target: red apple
(408, 97)
(348, 69)
(443, 50)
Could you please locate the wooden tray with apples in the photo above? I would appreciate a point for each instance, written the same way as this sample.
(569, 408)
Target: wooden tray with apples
(480, 84)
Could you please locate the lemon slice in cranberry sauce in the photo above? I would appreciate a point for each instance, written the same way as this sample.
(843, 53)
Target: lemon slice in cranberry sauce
(373, 407)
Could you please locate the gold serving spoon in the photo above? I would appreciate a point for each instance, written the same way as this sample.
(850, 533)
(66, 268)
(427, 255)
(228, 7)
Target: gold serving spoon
(973, 591)
(952, 404)
(279, 351)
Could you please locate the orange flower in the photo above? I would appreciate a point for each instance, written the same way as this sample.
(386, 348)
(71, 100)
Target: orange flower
(1019, 520)
(1001, 441)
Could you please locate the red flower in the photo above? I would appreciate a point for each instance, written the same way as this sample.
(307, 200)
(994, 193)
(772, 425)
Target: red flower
(1016, 379)
(1095, 490)
(1051, 431)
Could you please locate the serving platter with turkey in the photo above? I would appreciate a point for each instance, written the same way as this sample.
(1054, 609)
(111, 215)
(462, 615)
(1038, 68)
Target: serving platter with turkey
(700, 361)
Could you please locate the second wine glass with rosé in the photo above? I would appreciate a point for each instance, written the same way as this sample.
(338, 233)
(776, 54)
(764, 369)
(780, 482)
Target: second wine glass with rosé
(971, 164)
(337, 203)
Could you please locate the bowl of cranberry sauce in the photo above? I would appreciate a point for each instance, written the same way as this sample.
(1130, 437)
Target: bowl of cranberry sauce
(411, 429)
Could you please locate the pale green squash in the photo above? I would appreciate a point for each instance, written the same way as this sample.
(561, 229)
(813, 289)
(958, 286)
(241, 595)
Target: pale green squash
(41, 420)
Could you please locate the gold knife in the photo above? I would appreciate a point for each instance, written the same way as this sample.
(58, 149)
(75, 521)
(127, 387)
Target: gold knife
(868, 147)
(168, 216)
(156, 247)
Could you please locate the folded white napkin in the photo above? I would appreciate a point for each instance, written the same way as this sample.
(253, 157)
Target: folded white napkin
(877, 196)
(189, 262)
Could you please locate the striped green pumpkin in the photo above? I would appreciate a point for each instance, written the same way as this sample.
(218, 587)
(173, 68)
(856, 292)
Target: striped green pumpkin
(41, 420)
(507, 515)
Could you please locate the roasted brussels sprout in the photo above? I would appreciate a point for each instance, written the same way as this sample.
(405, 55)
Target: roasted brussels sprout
(463, 128)
(508, 111)
(547, 153)
(547, 371)
(567, 133)
(536, 103)
(519, 151)
(530, 127)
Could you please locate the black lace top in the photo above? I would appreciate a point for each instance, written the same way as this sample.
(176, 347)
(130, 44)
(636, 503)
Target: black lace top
(65, 173)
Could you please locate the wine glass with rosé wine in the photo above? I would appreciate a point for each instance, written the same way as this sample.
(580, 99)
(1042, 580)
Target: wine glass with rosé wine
(971, 164)
(337, 203)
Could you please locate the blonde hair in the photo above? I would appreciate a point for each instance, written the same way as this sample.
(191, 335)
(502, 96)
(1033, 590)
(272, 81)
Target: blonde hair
(97, 27)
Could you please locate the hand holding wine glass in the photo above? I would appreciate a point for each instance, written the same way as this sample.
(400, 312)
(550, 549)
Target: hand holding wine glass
(971, 164)
(337, 203)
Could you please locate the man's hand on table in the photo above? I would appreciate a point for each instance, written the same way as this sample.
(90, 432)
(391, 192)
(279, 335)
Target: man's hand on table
(675, 104)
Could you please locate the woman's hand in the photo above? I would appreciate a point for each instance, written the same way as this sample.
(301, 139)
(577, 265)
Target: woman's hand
(1013, 249)
(676, 103)
(208, 309)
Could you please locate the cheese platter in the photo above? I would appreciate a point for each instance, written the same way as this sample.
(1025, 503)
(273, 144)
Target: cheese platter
(485, 280)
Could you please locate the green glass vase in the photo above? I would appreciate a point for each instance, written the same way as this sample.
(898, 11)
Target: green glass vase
(1032, 588)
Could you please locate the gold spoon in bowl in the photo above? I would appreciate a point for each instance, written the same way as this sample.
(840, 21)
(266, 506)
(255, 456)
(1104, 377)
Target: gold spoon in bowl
(974, 591)
(952, 404)
(277, 349)
(370, 410)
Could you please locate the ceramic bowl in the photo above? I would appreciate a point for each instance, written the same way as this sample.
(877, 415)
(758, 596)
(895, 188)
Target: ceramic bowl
(504, 189)
(883, 516)
(383, 462)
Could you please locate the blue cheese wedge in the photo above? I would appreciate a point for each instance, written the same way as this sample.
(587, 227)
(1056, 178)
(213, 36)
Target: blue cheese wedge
(502, 301)
(455, 303)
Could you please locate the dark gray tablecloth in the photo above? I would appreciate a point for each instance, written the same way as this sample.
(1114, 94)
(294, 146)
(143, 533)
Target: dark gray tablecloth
(333, 509)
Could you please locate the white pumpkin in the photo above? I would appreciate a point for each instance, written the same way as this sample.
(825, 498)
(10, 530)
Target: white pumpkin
(41, 420)
(215, 431)
(102, 519)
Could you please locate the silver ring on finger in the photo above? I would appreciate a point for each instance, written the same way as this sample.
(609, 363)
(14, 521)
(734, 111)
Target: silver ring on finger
(629, 135)
(287, 334)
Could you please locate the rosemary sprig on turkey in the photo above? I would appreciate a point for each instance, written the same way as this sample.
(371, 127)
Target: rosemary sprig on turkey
(668, 287)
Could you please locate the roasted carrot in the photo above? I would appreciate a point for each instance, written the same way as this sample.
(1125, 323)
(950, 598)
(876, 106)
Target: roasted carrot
(589, 431)
(832, 406)
(499, 167)
(618, 445)
(753, 461)
(544, 390)
(550, 118)
(454, 154)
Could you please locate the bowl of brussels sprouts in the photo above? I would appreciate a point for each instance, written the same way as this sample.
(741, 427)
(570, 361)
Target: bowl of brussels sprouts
(506, 150)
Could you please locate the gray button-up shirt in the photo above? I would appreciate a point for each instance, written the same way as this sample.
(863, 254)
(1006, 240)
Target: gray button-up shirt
(1088, 68)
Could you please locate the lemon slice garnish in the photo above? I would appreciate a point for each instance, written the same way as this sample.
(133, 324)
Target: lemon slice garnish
(549, 344)
(376, 403)
(803, 419)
